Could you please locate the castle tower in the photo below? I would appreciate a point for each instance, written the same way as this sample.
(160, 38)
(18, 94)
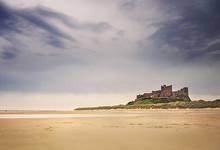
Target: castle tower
(185, 91)
(166, 91)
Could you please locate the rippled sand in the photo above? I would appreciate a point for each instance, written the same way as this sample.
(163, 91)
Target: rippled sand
(113, 130)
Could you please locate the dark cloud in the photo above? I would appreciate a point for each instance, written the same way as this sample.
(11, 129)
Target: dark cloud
(72, 23)
(38, 22)
(7, 18)
(7, 55)
(30, 33)
(25, 20)
(191, 32)
(19, 21)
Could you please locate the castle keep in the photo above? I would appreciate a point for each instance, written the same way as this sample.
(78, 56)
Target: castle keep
(166, 92)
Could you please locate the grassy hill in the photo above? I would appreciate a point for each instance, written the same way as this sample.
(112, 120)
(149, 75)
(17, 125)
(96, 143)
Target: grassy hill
(148, 104)
(158, 100)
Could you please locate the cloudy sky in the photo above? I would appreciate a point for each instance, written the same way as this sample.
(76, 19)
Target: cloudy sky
(57, 54)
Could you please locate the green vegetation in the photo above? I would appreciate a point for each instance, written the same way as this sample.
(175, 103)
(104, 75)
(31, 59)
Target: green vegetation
(150, 104)
(157, 100)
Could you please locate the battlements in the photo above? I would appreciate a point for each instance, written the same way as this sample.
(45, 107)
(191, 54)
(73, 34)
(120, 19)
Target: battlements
(167, 92)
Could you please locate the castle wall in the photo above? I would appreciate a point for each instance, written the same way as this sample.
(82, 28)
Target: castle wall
(147, 95)
(181, 92)
(184, 91)
(166, 91)
(156, 94)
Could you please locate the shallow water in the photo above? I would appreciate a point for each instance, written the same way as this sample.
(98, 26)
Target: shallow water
(48, 116)
(154, 113)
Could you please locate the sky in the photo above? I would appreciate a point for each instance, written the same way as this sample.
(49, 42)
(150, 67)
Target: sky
(57, 54)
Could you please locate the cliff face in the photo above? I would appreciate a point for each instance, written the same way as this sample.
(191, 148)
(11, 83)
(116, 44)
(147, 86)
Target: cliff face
(166, 94)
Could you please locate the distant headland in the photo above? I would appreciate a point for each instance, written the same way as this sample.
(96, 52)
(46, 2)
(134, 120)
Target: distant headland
(165, 98)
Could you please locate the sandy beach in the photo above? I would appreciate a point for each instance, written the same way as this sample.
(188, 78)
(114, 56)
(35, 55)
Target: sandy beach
(112, 129)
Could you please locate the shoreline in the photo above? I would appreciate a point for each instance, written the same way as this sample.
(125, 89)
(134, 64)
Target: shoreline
(86, 111)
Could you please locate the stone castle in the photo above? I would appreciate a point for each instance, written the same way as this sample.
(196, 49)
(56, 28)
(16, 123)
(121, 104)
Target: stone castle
(167, 92)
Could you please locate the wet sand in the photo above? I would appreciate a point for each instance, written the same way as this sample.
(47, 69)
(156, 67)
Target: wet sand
(113, 130)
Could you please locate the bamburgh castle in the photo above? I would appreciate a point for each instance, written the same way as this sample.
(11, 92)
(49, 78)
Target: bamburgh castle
(167, 92)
